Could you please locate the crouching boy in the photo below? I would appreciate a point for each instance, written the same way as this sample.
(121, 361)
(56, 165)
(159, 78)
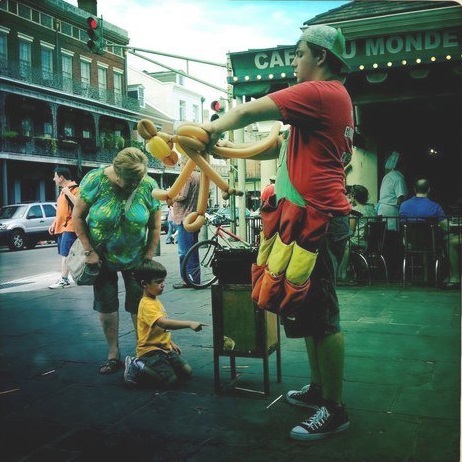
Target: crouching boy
(158, 359)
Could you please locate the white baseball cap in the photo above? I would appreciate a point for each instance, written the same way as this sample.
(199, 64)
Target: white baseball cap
(329, 38)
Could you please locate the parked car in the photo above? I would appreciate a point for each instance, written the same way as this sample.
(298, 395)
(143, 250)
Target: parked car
(164, 217)
(24, 225)
(223, 216)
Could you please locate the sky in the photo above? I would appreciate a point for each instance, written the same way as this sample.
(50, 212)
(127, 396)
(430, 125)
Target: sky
(207, 30)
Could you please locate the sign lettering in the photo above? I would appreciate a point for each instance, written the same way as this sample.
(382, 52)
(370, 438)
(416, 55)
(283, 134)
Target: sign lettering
(275, 59)
(369, 47)
(420, 41)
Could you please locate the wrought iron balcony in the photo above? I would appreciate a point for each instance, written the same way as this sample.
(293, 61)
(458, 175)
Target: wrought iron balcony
(24, 73)
(75, 149)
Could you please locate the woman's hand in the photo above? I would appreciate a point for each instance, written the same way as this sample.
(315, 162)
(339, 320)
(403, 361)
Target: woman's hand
(93, 259)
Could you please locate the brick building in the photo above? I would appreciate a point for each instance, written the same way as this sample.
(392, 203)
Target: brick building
(60, 103)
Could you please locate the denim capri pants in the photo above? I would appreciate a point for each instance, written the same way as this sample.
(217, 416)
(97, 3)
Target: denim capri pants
(106, 291)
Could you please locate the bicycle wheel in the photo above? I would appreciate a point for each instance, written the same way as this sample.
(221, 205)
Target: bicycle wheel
(196, 269)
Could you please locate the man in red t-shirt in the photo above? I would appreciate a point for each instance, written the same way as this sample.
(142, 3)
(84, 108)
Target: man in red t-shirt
(320, 114)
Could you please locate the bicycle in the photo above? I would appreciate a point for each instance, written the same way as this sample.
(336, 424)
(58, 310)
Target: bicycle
(222, 238)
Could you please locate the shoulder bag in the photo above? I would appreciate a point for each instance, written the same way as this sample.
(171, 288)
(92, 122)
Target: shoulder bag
(82, 274)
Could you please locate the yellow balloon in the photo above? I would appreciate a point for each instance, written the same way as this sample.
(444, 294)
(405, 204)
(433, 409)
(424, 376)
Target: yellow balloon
(158, 148)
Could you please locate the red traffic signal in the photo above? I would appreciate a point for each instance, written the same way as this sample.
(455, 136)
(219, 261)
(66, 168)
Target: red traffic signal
(95, 34)
(92, 23)
(218, 105)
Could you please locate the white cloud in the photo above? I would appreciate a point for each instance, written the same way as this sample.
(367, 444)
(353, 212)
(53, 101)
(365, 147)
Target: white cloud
(208, 30)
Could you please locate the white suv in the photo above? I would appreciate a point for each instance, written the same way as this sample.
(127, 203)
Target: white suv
(23, 225)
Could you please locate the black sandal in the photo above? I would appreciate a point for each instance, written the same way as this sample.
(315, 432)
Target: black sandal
(110, 366)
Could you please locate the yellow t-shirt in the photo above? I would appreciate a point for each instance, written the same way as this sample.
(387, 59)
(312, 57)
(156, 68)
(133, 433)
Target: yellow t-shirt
(150, 336)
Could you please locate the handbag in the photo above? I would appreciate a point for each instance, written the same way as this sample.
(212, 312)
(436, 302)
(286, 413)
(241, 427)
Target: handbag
(82, 273)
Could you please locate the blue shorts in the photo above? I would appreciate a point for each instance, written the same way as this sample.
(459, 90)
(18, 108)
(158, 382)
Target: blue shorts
(320, 316)
(65, 241)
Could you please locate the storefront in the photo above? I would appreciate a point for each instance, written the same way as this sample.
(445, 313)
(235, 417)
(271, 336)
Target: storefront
(405, 83)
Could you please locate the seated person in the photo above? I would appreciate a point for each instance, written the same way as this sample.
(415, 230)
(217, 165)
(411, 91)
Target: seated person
(361, 212)
(419, 208)
(364, 211)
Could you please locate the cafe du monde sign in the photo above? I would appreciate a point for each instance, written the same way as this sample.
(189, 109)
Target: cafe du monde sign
(379, 52)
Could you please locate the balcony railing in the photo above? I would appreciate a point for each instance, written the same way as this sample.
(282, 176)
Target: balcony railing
(28, 74)
(75, 149)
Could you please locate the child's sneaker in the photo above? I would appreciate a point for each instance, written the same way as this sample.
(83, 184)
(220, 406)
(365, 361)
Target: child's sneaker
(324, 422)
(132, 371)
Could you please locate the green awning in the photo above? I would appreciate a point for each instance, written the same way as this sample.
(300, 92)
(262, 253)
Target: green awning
(255, 72)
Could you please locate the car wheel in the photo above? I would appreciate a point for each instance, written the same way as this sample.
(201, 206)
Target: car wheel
(17, 240)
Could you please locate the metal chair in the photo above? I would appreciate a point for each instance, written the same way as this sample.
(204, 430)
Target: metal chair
(421, 249)
(371, 255)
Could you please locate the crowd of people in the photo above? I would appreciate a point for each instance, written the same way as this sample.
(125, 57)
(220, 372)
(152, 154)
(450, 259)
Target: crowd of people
(396, 207)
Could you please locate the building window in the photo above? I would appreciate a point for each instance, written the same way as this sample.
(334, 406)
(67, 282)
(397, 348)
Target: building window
(25, 59)
(47, 129)
(66, 63)
(86, 134)
(118, 87)
(102, 81)
(182, 110)
(85, 73)
(46, 20)
(24, 12)
(66, 68)
(196, 113)
(47, 62)
(3, 44)
(66, 28)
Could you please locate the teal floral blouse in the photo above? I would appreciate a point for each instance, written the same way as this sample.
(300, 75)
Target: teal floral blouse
(121, 233)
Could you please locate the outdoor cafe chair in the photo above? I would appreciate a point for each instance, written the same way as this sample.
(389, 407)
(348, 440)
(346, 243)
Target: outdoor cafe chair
(371, 256)
(422, 249)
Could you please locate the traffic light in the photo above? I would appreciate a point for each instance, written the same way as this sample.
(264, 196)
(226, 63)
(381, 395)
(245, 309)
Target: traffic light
(95, 34)
(219, 106)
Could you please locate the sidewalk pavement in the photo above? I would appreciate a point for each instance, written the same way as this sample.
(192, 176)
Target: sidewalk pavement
(402, 384)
